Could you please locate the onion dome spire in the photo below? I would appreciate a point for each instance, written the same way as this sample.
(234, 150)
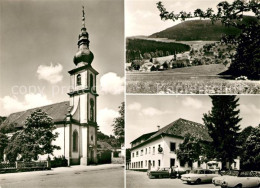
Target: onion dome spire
(83, 55)
(83, 17)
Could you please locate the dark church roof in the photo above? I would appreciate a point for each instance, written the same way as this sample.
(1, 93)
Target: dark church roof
(178, 128)
(57, 111)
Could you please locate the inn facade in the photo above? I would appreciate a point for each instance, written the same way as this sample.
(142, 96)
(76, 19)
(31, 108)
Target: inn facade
(157, 149)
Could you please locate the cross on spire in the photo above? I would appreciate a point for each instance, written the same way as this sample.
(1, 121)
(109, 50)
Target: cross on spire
(83, 17)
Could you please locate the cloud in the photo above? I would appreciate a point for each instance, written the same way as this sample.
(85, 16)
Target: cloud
(105, 118)
(50, 73)
(249, 109)
(31, 100)
(112, 84)
(134, 106)
(191, 102)
(150, 111)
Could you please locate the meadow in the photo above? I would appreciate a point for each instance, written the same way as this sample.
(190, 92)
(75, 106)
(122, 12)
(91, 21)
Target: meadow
(189, 80)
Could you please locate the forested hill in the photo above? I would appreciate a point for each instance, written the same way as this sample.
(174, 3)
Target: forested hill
(199, 30)
(143, 48)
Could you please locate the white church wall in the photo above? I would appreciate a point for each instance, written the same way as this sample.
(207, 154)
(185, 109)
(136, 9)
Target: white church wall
(83, 108)
(92, 135)
(84, 146)
(58, 142)
(67, 141)
(74, 102)
(84, 80)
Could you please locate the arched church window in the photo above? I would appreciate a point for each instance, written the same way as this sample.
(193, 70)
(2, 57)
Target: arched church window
(91, 110)
(78, 79)
(91, 81)
(75, 141)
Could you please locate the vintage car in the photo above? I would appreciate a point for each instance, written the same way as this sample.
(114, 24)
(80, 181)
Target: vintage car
(218, 180)
(244, 179)
(181, 170)
(198, 176)
(160, 173)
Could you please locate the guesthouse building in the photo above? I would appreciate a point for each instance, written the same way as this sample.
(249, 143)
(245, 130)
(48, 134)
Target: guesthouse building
(157, 149)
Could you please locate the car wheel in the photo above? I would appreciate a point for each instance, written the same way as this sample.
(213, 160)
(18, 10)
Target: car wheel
(238, 186)
(150, 176)
(198, 181)
(160, 176)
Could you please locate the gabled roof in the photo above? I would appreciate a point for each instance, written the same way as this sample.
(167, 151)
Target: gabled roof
(178, 128)
(104, 146)
(57, 111)
(144, 136)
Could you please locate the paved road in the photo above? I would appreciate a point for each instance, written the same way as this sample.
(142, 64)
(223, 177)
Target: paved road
(140, 180)
(75, 177)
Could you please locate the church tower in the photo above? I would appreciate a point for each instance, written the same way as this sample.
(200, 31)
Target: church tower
(83, 99)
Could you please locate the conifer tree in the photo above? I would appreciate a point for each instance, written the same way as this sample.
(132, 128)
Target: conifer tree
(223, 126)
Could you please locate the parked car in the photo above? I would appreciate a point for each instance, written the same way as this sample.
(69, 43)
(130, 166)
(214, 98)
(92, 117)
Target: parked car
(218, 180)
(181, 170)
(160, 173)
(198, 176)
(244, 179)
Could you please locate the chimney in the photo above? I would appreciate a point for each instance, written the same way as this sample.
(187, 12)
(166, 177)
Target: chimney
(158, 126)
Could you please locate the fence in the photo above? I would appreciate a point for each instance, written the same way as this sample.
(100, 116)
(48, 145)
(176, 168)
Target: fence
(7, 166)
(21, 166)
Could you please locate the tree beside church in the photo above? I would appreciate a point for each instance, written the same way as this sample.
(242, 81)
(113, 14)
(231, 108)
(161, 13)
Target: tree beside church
(75, 121)
(34, 139)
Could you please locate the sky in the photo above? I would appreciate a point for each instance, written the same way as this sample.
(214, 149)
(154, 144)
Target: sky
(145, 113)
(38, 40)
(142, 16)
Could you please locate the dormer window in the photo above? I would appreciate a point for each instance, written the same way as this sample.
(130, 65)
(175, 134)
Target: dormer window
(78, 80)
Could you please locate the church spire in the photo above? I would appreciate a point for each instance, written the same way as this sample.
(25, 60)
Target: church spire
(83, 18)
(83, 55)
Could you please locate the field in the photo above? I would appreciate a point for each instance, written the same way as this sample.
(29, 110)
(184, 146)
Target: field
(202, 79)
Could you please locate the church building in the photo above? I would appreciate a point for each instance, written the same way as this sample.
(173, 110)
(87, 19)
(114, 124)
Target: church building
(75, 119)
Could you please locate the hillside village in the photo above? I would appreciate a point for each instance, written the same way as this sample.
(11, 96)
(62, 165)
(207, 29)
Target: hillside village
(199, 54)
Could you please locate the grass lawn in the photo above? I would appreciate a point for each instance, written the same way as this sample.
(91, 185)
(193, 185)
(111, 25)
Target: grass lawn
(202, 79)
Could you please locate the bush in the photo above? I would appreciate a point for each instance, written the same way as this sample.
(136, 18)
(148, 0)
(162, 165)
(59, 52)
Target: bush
(104, 157)
(59, 162)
